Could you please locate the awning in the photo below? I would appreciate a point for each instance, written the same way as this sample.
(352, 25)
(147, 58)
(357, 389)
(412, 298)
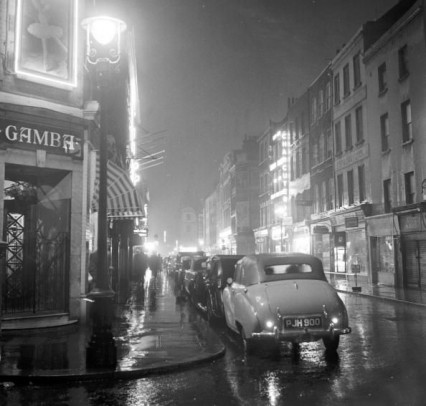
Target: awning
(123, 201)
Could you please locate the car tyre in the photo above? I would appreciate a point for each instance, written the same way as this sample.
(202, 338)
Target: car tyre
(331, 343)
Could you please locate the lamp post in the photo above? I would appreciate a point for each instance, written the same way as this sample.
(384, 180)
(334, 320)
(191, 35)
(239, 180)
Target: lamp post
(102, 51)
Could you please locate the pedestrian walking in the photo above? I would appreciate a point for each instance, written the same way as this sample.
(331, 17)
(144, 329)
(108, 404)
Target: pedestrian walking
(140, 265)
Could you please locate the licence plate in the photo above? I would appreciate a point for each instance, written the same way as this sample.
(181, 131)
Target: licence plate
(295, 323)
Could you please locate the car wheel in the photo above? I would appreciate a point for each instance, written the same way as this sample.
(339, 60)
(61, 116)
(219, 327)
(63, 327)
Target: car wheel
(247, 343)
(331, 343)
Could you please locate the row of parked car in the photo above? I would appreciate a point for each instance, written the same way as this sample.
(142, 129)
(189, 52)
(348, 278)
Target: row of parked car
(266, 298)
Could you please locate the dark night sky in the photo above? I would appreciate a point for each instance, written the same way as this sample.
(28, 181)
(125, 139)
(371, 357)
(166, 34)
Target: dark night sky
(212, 71)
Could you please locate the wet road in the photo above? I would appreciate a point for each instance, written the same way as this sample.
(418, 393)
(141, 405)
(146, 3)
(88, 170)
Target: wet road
(382, 362)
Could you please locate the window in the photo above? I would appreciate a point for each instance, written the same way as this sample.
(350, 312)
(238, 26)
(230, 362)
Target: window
(304, 160)
(403, 62)
(361, 183)
(298, 164)
(292, 132)
(350, 187)
(409, 188)
(330, 194)
(314, 110)
(359, 125)
(387, 195)
(338, 137)
(315, 159)
(346, 82)
(317, 198)
(321, 148)
(340, 190)
(324, 196)
(296, 125)
(329, 148)
(328, 96)
(357, 70)
(407, 127)
(321, 103)
(302, 123)
(383, 83)
(336, 89)
(348, 132)
(384, 130)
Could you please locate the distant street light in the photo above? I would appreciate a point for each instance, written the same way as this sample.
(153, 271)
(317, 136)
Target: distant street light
(102, 51)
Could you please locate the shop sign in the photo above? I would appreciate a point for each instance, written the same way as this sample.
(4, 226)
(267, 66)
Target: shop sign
(51, 139)
(351, 222)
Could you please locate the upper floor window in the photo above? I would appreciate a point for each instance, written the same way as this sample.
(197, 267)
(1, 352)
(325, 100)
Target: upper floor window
(338, 137)
(336, 89)
(340, 190)
(346, 81)
(329, 144)
(302, 123)
(357, 70)
(387, 195)
(409, 187)
(330, 193)
(314, 113)
(384, 131)
(328, 96)
(321, 103)
(359, 124)
(403, 62)
(351, 198)
(407, 126)
(348, 131)
(382, 76)
(361, 183)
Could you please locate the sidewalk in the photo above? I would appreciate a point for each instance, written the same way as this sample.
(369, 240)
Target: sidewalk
(153, 333)
(411, 296)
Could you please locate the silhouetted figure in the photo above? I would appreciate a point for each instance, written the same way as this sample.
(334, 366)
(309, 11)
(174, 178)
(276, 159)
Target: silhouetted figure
(140, 264)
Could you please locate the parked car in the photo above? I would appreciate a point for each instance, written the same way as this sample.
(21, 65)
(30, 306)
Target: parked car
(283, 297)
(181, 264)
(209, 289)
(197, 267)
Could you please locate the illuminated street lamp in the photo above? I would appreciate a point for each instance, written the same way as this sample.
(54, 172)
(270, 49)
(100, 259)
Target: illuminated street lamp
(102, 51)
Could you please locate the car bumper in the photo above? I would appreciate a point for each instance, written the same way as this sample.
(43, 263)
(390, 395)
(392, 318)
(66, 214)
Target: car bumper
(301, 335)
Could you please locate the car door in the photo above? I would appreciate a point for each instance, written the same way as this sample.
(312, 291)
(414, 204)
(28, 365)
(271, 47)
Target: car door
(243, 300)
(228, 298)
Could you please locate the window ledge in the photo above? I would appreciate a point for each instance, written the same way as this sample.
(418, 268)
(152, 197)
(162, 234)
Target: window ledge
(360, 142)
(407, 143)
(386, 152)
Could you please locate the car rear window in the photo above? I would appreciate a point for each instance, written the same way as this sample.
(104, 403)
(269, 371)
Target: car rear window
(284, 269)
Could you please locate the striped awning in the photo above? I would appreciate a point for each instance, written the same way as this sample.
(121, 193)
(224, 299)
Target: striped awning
(123, 201)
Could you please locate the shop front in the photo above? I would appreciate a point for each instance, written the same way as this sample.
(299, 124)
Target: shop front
(350, 249)
(41, 168)
(383, 234)
(412, 223)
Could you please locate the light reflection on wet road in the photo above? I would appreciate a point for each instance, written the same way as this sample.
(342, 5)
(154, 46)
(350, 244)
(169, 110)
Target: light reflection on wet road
(381, 363)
